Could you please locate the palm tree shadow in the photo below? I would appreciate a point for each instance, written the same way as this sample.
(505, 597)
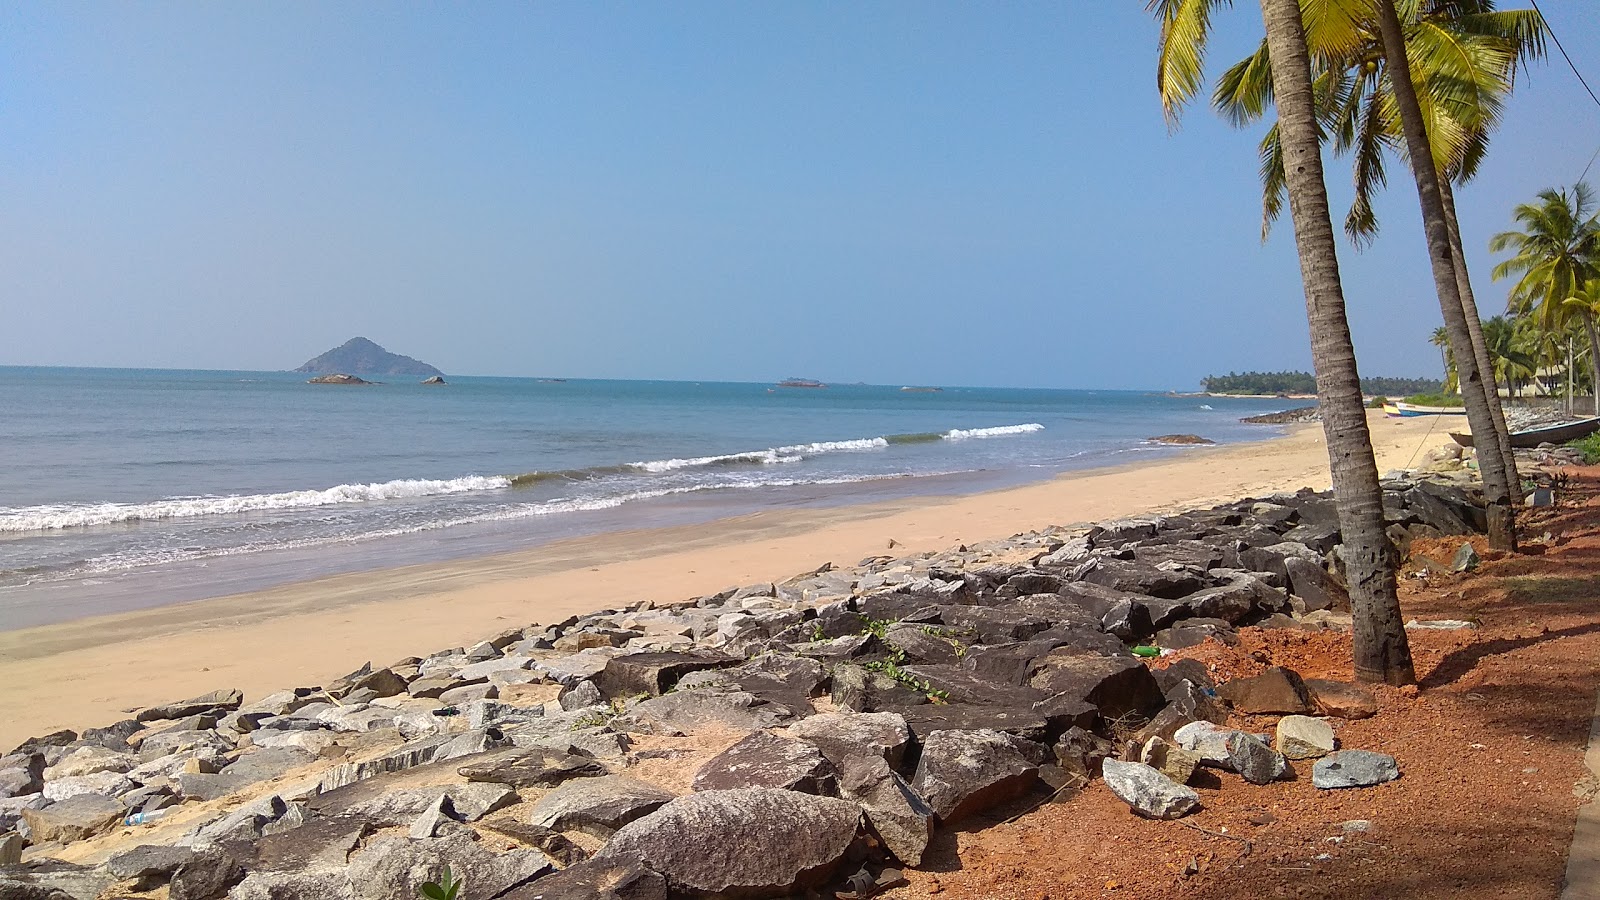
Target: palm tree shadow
(1459, 663)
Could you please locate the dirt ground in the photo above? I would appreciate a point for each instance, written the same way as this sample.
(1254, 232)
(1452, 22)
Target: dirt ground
(1490, 747)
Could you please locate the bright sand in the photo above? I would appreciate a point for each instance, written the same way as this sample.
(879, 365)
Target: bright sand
(94, 671)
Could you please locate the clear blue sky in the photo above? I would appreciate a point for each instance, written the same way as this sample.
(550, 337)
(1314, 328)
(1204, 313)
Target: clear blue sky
(894, 192)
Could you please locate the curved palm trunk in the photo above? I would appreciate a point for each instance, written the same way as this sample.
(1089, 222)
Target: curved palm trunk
(1491, 465)
(1594, 356)
(1469, 308)
(1382, 652)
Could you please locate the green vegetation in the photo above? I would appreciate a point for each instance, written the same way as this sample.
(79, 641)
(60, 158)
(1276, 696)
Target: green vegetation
(1434, 400)
(1305, 383)
(1589, 447)
(446, 888)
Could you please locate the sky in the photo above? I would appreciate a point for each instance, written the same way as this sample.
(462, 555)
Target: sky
(890, 192)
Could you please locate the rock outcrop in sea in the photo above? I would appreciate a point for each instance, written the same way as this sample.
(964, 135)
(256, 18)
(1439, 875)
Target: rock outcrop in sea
(764, 741)
(362, 357)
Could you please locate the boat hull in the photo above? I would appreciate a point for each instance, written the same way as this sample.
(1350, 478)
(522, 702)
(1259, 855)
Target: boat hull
(1553, 434)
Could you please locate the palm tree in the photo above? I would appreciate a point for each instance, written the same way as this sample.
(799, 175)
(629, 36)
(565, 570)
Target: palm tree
(1466, 55)
(1474, 393)
(1441, 339)
(1382, 652)
(1508, 353)
(1557, 255)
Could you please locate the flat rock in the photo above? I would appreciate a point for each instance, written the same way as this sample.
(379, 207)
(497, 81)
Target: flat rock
(1114, 685)
(393, 867)
(1340, 699)
(1354, 768)
(842, 736)
(1025, 722)
(147, 860)
(91, 760)
(108, 784)
(598, 806)
(1208, 740)
(1148, 792)
(683, 712)
(752, 842)
(226, 700)
(1277, 691)
(595, 881)
(653, 674)
(521, 767)
(963, 772)
(1302, 737)
(765, 760)
(73, 819)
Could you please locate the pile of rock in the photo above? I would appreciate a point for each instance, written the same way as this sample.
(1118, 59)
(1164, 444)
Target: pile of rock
(1296, 416)
(877, 704)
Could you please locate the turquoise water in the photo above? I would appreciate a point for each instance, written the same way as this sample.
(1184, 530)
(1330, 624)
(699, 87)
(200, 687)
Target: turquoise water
(130, 488)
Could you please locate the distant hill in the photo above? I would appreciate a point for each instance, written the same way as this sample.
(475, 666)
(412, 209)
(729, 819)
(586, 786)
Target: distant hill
(359, 356)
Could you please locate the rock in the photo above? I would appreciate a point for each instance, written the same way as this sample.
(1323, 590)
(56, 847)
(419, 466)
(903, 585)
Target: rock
(1169, 759)
(598, 806)
(51, 879)
(754, 842)
(147, 861)
(963, 772)
(903, 820)
(433, 379)
(766, 760)
(1179, 439)
(653, 674)
(1194, 632)
(628, 880)
(994, 625)
(73, 819)
(1080, 752)
(206, 876)
(1114, 685)
(10, 848)
(861, 690)
(337, 378)
(683, 712)
(244, 823)
(227, 701)
(320, 883)
(1140, 578)
(1341, 700)
(1148, 792)
(530, 768)
(579, 695)
(1314, 588)
(1465, 560)
(1208, 740)
(393, 867)
(1276, 691)
(323, 841)
(842, 736)
(367, 358)
(428, 824)
(1254, 760)
(1302, 737)
(90, 761)
(108, 784)
(1353, 768)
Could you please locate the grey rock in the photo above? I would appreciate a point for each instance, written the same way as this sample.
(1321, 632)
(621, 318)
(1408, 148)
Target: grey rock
(224, 700)
(683, 712)
(1114, 685)
(428, 823)
(324, 841)
(862, 690)
(1079, 752)
(1208, 740)
(73, 819)
(398, 761)
(580, 695)
(1354, 768)
(598, 806)
(51, 879)
(319, 883)
(521, 767)
(629, 880)
(1465, 560)
(1169, 759)
(963, 772)
(147, 860)
(752, 842)
(902, 819)
(1254, 760)
(108, 784)
(10, 848)
(765, 760)
(1313, 588)
(395, 867)
(206, 876)
(1302, 737)
(17, 782)
(468, 803)
(245, 823)
(91, 760)
(1148, 792)
(1025, 722)
(842, 736)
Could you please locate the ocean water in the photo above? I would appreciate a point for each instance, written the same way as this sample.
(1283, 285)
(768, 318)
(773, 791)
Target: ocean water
(122, 489)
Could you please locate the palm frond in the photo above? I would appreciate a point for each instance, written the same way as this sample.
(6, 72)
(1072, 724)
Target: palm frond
(1180, 61)
(1244, 92)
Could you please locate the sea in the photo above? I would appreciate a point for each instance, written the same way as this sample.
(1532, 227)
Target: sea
(123, 489)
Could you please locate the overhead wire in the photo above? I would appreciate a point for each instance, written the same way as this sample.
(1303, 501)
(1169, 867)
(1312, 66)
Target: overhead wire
(1551, 30)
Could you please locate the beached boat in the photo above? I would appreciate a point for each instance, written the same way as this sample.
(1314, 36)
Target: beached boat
(1407, 410)
(1553, 434)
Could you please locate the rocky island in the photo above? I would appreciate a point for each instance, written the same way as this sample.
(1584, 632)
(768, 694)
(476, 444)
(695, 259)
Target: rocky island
(360, 356)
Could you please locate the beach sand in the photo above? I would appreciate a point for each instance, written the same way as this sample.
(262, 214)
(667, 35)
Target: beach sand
(91, 672)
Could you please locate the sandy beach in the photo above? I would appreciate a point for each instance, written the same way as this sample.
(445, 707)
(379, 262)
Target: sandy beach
(92, 671)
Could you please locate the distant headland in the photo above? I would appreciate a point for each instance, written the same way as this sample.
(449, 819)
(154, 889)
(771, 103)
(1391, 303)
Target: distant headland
(362, 357)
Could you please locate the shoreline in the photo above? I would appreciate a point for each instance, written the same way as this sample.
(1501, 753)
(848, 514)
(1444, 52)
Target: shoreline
(91, 671)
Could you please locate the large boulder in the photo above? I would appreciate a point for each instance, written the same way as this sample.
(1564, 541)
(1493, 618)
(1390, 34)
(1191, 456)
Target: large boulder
(598, 806)
(521, 767)
(765, 760)
(751, 842)
(1114, 685)
(963, 772)
(224, 701)
(653, 674)
(73, 819)
(842, 736)
(902, 819)
(595, 881)
(1277, 691)
(686, 711)
(395, 867)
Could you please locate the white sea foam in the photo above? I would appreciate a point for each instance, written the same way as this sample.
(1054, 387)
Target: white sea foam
(58, 516)
(961, 434)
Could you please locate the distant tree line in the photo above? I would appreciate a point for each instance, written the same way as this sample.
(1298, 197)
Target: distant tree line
(1306, 383)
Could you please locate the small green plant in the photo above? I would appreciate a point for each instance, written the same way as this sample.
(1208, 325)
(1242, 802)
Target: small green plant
(446, 888)
(1589, 447)
(892, 668)
(817, 634)
(1377, 402)
(878, 628)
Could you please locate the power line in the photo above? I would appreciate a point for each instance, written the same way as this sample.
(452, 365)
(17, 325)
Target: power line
(1551, 29)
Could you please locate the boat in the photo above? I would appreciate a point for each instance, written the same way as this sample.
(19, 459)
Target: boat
(1408, 410)
(801, 383)
(1553, 434)
(922, 390)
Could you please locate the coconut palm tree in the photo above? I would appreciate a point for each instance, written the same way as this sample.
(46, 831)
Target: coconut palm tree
(1441, 339)
(1382, 652)
(1497, 478)
(1465, 57)
(1557, 256)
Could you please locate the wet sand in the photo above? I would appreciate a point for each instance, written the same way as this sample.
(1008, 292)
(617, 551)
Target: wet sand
(92, 671)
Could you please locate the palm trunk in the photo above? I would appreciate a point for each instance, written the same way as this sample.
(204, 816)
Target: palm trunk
(1570, 364)
(1382, 652)
(1491, 465)
(1594, 356)
(1469, 308)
